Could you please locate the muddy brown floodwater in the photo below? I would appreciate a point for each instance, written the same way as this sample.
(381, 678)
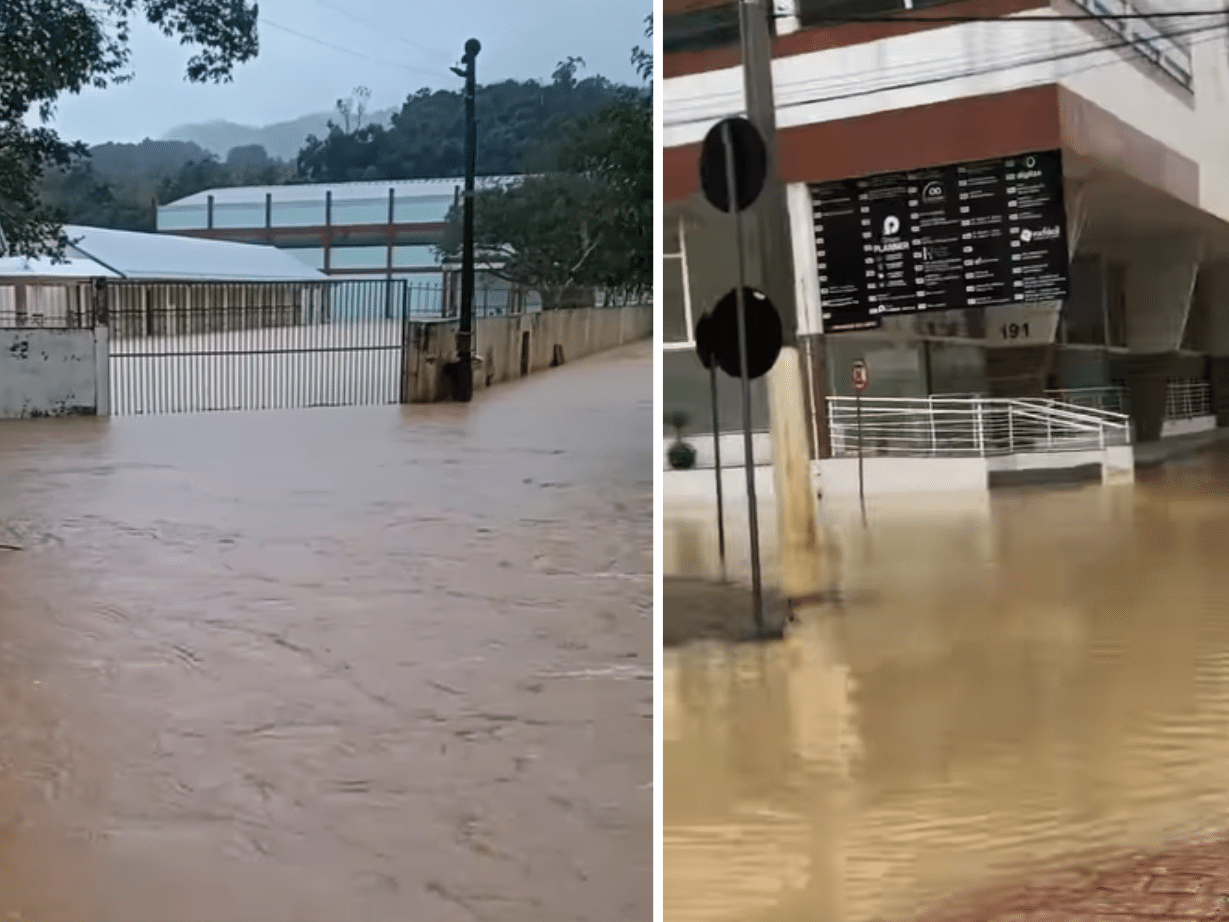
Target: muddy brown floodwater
(1009, 691)
(311, 666)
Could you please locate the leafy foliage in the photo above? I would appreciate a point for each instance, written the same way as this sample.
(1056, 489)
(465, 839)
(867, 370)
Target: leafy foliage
(51, 47)
(426, 138)
(586, 218)
(116, 185)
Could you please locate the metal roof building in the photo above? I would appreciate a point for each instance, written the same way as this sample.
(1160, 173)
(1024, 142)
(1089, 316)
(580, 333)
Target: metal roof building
(373, 229)
(97, 252)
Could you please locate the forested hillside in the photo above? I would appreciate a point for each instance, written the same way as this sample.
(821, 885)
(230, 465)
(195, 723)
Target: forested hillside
(116, 184)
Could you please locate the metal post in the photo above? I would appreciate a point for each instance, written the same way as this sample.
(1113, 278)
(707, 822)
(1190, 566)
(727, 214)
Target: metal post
(712, 385)
(797, 523)
(934, 437)
(861, 481)
(753, 522)
(465, 329)
(977, 419)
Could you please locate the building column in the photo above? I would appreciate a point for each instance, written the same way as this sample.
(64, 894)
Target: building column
(1156, 301)
(1213, 294)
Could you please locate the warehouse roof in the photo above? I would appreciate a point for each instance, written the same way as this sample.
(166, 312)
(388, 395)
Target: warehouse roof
(103, 252)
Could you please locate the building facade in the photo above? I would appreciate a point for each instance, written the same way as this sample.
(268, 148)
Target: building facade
(1135, 108)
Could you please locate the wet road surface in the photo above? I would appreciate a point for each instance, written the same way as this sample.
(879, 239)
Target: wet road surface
(371, 663)
(1012, 689)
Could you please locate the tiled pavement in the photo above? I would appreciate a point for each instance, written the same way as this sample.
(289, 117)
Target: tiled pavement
(1183, 883)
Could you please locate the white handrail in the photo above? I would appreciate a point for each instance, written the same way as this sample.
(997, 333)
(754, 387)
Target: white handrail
(950, 426)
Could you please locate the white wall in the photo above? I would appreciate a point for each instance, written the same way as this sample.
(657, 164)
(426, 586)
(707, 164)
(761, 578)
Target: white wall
(886, 476)
(48, 373)
(973, 59)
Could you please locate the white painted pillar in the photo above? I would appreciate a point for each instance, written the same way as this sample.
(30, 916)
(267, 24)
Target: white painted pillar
(102, 369)
(806, 262)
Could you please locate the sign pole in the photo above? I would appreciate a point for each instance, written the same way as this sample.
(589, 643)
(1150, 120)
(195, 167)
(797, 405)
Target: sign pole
(712, 385)
(861, 478)
(753, 523)
(861, 377)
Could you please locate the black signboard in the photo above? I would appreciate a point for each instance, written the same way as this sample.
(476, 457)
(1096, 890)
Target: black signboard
(946, 238)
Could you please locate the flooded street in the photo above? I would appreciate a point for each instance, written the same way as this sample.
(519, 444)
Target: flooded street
(381, 663)
(1010, 689)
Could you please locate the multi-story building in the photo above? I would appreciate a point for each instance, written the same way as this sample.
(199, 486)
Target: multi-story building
(1133, 104)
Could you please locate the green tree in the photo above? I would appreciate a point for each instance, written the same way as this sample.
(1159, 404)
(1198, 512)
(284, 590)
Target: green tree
(585, 218)
(80, 195)
(425, 139)
(247, 157)
(51, 47)
(542, 233)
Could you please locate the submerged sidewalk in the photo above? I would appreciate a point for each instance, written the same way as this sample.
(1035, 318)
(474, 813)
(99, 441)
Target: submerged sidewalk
(1183, 882)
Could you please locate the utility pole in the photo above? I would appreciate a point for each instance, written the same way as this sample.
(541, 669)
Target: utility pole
(464, 381)
(797, 510)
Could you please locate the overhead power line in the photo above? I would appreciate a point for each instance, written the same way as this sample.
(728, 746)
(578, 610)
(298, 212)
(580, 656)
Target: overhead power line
(350, 51)
(349, 14)
(910, 16)
(922, 78)
(933, 70)
(813, 19)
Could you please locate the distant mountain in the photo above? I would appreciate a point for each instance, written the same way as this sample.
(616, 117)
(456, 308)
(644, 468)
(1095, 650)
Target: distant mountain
(284, 139)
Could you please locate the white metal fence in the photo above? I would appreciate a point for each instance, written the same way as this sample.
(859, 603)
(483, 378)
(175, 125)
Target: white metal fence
(1188, 399)
(969, 427)
(1113, 399)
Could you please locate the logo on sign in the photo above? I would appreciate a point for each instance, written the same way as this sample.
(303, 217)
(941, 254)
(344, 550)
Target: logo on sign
(891, 226)
(1042, 233)
(933, 192)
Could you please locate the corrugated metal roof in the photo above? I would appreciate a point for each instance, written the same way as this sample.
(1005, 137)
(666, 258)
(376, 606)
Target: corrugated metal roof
(342, 191)
(137, 255)
(16, 267)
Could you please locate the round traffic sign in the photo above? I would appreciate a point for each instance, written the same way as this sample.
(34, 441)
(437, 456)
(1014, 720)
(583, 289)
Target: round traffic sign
(717, 334)
(750, 164)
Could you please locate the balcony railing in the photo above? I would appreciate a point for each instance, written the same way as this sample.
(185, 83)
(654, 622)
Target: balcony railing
(1188, 400)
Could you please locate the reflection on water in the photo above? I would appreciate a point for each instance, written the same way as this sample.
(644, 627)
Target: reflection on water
(1045, 682)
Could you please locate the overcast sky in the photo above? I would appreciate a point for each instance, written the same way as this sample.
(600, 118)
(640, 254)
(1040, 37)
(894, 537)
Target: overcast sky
(412, 45)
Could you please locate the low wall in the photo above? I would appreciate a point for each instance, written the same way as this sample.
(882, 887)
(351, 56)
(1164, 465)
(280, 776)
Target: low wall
(53, 373)
(510, 347)
(1172, 427)
(885, 476)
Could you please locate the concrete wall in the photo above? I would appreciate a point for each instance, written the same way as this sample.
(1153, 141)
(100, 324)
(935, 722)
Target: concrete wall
(568, 334)
(52, 373)
(891, 476)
